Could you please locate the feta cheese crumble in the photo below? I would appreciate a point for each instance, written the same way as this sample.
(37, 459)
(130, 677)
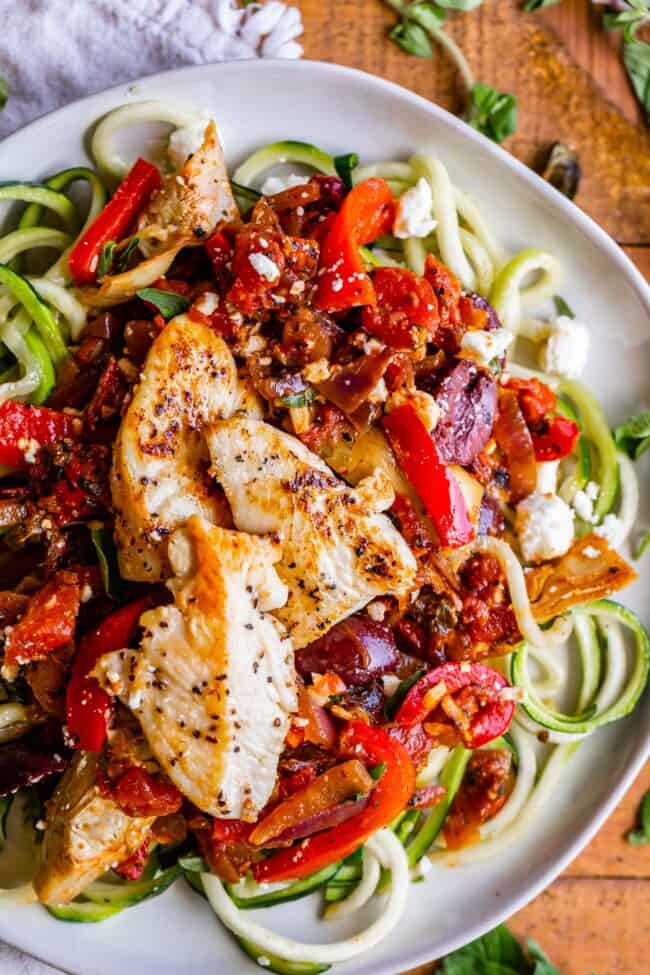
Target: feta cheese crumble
(547, 473)
(583, 502)
(611, 530)
(208, 303)
(544, 524)
(278, 184)
(482, 346)
(566, 349)
(413, 217)
(264, 266)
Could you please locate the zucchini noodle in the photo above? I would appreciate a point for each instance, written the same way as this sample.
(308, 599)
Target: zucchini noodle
(101, 146)
(12, 334)
(385, 846)
(584, 629)
(509, 295)
(444, 210)
(531, 632)
(615, 667)
(597, 430)
(546, 659)
(17, 241)
(628, 487)
(64, 301)
(474, 221)
(415, 253)
(390, 171)
(479, 259)
(362, 893)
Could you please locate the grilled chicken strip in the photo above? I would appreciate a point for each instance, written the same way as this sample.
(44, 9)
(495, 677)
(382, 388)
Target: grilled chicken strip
(213, 684)
(86, 834)
(338, 552)
(159, 475)
(191, 202)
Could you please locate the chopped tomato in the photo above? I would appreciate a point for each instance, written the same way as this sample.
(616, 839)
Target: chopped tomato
(467, 695)
(219, 249)
(440, 492)
(555, 438)
(25, 429)
(389, 797)
(447, 290)
(406, 310)
(366, 213)
(513, 437)
(48, 622)
(535, 398)
(138, 793)
(486, 785)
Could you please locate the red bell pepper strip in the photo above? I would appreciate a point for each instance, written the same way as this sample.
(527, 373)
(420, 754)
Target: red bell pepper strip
(389, 797)
(88, 707)
(366, 213)
(114, 221)
(556, 440)
(436, 485)
(489, 714)
(23, 426)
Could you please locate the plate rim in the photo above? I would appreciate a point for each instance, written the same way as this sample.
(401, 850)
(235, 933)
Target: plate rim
(595, 234)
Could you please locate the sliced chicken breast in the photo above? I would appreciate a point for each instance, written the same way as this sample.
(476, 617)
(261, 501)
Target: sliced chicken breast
(213, 683)
(86, 834)
(338, 552)
(191, 202)
(159, 475)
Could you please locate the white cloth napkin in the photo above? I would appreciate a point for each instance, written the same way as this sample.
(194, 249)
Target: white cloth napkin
(53, 51)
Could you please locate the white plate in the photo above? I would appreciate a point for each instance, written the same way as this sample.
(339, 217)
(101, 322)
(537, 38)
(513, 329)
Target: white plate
(256, 102)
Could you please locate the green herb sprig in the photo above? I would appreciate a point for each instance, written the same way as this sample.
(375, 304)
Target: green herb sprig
(633, 436)
(498, 953)
(641, 835)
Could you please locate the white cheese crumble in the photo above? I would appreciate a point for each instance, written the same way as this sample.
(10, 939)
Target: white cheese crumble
(611, 530)
(484, 346)
(426, 408)
(264, 266)
(547, 473)
(278, 184)
(316, 372)
(590, 552)
(391, 682)
(544, 524)
(184, 142)
(583, 502)
(376, 611)
(413, 217)
(207, 303)
(566, 349)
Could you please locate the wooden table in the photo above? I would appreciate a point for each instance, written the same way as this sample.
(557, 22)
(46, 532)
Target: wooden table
(571, 88)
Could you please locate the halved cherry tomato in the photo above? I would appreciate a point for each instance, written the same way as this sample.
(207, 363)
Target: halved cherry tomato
(388, 798)
(366, 213)
(556, 439)
(139, 794)
(484, 713)
(447, 289)
(535, 398)
(25, 428)
(406, 305)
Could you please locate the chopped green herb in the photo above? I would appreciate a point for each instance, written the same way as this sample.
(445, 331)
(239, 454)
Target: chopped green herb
(492, 112)
(633, 436)
(561, 307)
(105, 262)
(344, 165)
(377, 771)
(299, 399)
(641, 835)
(168, 303)
(124, 256)
(102, 539)
(392, 705)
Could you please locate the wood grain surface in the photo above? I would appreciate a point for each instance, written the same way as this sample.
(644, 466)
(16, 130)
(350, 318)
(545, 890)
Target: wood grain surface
(571, 87)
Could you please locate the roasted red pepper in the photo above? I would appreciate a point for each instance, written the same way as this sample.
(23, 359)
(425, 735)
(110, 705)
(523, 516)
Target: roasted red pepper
(139, 794)
(114, 221)
(389, 797)
(535, 398)
(483, 713)
(436, 485)
(513, 437)
(26, 428)
(406, 308)
(366, 213)
(555, 439)
(48, 622)
(88, 707)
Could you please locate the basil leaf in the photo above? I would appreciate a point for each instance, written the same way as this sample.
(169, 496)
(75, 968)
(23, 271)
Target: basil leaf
(543, 964)
(4, 92)
(105, 262)
(102, 539)
(412, 38)
(642, 546)
(636, 57)
(496, 953)
(168, 303)
(633, 436)
(124, 256)
(344, 165)
(459, 4)
(538, 4)
(492, 112)
(561, 307)
(427, 15)
(392, 705)
(636, 837)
